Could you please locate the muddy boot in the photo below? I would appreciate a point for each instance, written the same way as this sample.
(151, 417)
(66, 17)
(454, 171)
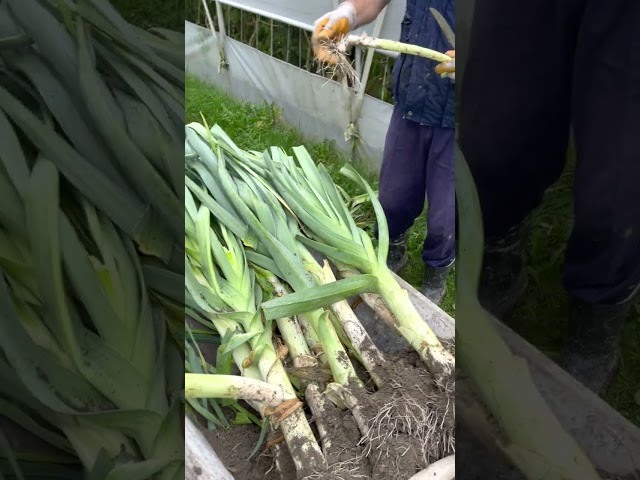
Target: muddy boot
(503, 280)
(397, 257)
(434, 285)
(592, 347)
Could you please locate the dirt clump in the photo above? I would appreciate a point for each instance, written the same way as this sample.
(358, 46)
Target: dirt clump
(410, 424)
(411, 420)
(234, 447)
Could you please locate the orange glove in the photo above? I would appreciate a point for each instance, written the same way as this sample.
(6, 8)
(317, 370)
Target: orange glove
(448, 68)
(332, 27)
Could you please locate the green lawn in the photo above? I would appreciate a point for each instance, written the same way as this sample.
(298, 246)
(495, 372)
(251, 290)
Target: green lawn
(259, 127)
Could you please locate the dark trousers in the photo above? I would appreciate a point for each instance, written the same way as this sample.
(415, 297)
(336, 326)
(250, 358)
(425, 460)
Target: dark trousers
(534, 69)
(418, 161)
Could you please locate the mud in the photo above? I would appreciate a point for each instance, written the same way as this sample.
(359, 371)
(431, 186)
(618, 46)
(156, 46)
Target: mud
(411, 423)
(344, 454)
(234, 448)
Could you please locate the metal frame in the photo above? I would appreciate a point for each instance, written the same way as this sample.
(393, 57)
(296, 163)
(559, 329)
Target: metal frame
(363, 63)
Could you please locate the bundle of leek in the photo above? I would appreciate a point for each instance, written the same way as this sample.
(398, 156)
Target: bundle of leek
(266, 183)
(275, 251)
(239, 191)
(245, 204)
(221, 286)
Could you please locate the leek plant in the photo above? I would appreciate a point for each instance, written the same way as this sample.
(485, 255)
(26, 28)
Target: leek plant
(335, 53)
(200, 385)
(244, 204)
(220, 282)
(274, 239)
(91, 121)
(536, 442)
(271, 196)
(364, 40)
(312, 195)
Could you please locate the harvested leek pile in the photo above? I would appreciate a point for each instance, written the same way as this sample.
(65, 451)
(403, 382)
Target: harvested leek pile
(91, 245)
(255, 225)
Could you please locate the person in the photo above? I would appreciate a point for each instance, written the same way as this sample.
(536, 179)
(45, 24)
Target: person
(563, 66)
(418, 158)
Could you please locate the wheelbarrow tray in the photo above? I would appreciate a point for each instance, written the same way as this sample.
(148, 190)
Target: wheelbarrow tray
(610, 441)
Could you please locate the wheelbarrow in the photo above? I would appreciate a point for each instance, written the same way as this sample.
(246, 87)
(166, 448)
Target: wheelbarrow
(611, 442)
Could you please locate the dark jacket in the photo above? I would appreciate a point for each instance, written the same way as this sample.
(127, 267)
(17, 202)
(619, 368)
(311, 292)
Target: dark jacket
(421, 94)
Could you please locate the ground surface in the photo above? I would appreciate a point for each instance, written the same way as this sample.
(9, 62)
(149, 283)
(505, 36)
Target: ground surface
(410, 424)
(235, 446)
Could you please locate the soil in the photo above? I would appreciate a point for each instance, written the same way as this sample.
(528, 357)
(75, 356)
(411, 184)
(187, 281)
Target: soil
(411, 423)
(234, 448)
(402, 441)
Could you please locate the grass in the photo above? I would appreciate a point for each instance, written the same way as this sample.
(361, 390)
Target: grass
(259, 127)
(541, 319)
(154, 13)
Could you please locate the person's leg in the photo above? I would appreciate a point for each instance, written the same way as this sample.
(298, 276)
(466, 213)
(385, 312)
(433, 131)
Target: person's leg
(514, 126)
(402, 182)
(602, 263)
(439, 245)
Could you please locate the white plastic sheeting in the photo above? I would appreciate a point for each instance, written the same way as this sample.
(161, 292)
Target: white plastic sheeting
(303, 14)
(318, 108)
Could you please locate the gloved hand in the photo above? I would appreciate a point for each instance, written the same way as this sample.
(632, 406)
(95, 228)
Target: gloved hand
(448, 68)
(332, 27)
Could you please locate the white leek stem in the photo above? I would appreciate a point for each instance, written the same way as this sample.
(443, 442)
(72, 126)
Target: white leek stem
(371, 357)
(391, 46)
(302, 443)
(414, 329)
(201, 461)
(202, 385)
(443, 469)
(317, 404)
(312, 340)
(292, 332)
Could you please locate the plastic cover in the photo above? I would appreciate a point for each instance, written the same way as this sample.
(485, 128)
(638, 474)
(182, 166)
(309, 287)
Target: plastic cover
(303, 14)
(317, 107)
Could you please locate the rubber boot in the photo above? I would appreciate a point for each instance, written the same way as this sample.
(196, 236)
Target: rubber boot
(434, 285)
(397, 257)
(503, 279)
(592, 347)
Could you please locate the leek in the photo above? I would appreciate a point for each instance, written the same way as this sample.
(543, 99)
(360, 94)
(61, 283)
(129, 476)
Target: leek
(221, 283)
(310, 192)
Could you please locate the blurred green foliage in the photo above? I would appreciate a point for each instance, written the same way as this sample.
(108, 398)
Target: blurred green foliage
(153, 13)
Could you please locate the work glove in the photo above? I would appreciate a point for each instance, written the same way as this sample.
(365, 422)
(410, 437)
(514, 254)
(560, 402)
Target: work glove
(331, 27)
(448, 68)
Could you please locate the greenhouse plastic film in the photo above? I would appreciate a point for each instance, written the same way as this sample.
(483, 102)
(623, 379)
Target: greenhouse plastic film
(295, 12)
(317, 107)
